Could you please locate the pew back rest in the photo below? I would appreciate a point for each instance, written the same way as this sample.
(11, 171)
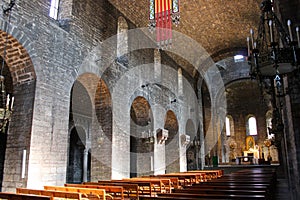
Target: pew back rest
(116, 191)
(99, 193)
(14, 196)
(52, 194)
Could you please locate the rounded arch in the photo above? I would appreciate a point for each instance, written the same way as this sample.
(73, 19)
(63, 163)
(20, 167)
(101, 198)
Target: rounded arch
(172, 125)
(77, 146)
(192, 150)
(172, 143)
(190, 128)
(20, 79)
(17, 58)
(140, 112)
(91, 108)
(141, 137)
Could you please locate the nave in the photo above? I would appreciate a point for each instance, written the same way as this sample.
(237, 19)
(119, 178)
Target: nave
(248, 183)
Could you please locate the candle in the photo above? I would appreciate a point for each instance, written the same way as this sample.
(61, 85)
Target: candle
(252, 40)
(7, 101)
(298, 38)
(271, 31)
(12, 103)
(248, 44)
(23, 164)
(290, 30)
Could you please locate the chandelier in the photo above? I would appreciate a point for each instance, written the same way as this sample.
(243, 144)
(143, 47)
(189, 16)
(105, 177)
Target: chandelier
(163, 13)
(273, 54)
(6, 101)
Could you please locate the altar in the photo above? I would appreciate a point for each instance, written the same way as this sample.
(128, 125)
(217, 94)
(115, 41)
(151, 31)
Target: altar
(244, 160)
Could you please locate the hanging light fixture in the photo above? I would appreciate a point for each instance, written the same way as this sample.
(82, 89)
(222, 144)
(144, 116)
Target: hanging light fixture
(6, 101)
(273, 54)
(162, 14)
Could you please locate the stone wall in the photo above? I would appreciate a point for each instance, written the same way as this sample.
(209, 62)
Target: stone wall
(61, 52)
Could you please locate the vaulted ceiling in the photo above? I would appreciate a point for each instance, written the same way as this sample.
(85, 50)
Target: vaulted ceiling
(220, 27)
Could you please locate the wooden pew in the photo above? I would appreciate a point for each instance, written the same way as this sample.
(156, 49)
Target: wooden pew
(214, 196)
(130, 190)
(186, 178)
(200, 190)
(174, 181)
(52, 194)
(115, 191)
(87, 192)
(14, 196)
(211, 173)
(162, 185)
(144, 188)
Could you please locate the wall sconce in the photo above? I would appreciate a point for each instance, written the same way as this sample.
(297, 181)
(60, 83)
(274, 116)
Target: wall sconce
(161, 135)
(185, 139)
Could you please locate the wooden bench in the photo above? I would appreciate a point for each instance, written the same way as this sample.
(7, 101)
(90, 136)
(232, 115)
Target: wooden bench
(185, 178)
(86, 192)
(211, 173)
(130, 190)
(52, 194)
(200, 190)
(14, 196)
(143, 187)
(162, 185)
(208, 196)
(115, 191)
(174, 181)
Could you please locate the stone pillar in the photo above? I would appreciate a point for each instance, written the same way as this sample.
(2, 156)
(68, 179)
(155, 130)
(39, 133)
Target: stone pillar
(85, 164)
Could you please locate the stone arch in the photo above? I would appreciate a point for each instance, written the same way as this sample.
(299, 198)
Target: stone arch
(77, 147)
(190, 128)
(20, 79)
(17, 56)
(102, 133)
(91, 102)
(141, 137)
(91, 108)
(172, 143)
(193, 149)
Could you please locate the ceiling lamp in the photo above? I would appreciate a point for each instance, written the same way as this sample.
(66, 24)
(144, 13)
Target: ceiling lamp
(162, 14)
(273, 54)
(6, 101)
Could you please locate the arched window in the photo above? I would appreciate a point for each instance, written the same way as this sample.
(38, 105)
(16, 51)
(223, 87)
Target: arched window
(54, 9)
(251, 126)
(227, 126)
(229, 129)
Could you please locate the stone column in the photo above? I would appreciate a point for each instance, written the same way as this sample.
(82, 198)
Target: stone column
(85, 164)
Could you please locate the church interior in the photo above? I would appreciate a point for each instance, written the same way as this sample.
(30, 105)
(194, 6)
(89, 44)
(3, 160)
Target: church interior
(98, 90)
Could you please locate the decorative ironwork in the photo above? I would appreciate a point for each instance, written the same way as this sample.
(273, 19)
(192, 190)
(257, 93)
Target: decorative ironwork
(272, 55)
